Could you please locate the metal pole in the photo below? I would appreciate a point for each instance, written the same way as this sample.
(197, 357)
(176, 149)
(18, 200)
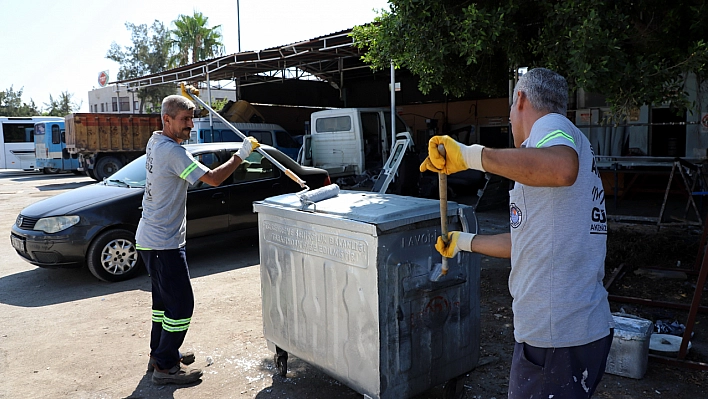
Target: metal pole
(393, 107)
(260, 150)
(211, 120)
(118, 97)
(238, 25)
(512, 81)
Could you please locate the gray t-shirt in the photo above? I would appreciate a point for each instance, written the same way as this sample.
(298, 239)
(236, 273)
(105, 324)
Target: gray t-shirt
(170, 170)
(558, 246)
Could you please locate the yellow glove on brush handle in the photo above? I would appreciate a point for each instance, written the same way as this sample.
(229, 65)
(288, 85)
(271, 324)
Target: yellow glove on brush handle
(456, 241)
(189, 89)
(254, 143)
(246, 149)
(458, 157)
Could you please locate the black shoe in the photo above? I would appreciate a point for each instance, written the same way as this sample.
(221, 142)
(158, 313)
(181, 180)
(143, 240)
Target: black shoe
(176, 375)
(186, 359)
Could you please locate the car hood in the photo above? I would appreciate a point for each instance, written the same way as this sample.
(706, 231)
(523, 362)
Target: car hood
(79, 198)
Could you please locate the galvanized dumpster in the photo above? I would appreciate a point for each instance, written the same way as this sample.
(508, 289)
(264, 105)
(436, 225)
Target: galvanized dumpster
(346, 287)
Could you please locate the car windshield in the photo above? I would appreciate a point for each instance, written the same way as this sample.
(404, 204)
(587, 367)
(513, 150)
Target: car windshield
(132, 174)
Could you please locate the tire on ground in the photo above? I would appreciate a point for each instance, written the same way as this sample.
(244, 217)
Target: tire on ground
(112, 256)
(106, 166)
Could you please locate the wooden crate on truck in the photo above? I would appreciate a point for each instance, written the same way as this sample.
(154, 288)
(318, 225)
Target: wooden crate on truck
(107, 142)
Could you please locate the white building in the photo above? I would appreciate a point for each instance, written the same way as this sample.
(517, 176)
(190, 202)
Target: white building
(116, 99)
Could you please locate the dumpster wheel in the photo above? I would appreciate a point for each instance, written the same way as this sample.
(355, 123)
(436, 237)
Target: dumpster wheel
(454, 388)
(281, 361)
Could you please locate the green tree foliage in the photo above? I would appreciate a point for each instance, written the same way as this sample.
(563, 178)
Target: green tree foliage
(62, 106)
(219, 104)
(193, 40)
(11, 104)
(634, 52)
(149, 54)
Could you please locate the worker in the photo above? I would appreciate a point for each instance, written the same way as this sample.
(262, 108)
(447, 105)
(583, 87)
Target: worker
(563, 327)
(161, 236)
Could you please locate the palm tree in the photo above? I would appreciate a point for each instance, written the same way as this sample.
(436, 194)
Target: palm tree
(62, 106)
(193, 40)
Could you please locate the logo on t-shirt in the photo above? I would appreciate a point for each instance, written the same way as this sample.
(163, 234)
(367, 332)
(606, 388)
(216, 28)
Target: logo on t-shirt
(515, 216)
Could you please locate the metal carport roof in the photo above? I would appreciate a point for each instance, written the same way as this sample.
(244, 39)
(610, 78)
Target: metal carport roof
(325, 58)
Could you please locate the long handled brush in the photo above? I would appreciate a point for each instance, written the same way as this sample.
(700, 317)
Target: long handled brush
(319, 194)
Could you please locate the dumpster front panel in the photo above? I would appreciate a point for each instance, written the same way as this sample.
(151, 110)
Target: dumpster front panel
(319, 297)
(432, 328)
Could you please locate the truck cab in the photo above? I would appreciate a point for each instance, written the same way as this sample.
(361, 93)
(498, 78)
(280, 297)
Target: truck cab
(349, 141)
(50, 148)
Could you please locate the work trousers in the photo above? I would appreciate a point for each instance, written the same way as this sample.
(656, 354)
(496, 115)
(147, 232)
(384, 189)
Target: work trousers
(568, 373)
(172, 303)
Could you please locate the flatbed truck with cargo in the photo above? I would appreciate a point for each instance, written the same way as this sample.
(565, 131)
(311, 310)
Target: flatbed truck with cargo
(104, 143)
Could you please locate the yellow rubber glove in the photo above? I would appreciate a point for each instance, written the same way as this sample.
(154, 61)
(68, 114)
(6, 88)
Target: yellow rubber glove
(254, 143)
(457, 158)
(189, 91)
(456, 241)
(248, 146)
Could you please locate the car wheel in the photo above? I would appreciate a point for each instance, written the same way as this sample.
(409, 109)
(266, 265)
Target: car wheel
(50, 171)
(106, 166)
(112, 256)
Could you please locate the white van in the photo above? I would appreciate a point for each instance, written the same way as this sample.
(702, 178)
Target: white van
(348, 141)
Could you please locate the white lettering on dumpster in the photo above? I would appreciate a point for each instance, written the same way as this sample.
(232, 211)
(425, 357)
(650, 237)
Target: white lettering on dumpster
(338, 248)
(426, 239)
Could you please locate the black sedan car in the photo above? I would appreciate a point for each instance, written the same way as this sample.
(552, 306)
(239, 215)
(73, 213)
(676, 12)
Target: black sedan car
(95, 225)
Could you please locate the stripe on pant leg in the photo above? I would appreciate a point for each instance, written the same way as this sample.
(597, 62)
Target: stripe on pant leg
(175, 325)
(158, 315)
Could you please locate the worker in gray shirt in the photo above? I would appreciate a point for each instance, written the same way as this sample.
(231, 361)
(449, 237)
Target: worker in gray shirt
(161, 236)
(562, 322)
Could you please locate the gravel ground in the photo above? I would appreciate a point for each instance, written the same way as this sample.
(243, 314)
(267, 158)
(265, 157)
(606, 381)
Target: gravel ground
(63, 334)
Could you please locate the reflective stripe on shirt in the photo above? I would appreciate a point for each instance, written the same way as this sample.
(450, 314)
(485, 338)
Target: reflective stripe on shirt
(189, 170)
(552, 135)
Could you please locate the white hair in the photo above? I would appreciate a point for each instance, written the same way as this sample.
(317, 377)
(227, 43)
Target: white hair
(546, 90)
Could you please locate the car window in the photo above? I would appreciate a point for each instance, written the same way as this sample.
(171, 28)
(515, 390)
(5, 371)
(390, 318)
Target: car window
(211, 161)
(255, 167)
(262, 137)
(132, 174)
(333, 124)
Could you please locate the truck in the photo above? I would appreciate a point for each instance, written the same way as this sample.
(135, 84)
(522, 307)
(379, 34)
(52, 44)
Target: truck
(51, 155)
(104, 143)
(350, 141)
(270, 134)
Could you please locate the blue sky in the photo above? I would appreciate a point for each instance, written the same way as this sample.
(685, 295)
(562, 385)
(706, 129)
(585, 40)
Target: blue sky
(53, 46)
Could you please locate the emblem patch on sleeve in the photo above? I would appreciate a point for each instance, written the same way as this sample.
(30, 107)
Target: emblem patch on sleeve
(515, 216)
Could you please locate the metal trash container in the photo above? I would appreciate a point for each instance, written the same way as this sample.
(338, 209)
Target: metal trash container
(629, 353)
(346, 287)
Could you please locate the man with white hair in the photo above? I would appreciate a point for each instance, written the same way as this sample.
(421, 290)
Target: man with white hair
(161, 236)
(562, 322)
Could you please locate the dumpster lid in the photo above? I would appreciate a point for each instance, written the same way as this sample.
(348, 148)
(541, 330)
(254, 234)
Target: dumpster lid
(385, 211)
(631, 327)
